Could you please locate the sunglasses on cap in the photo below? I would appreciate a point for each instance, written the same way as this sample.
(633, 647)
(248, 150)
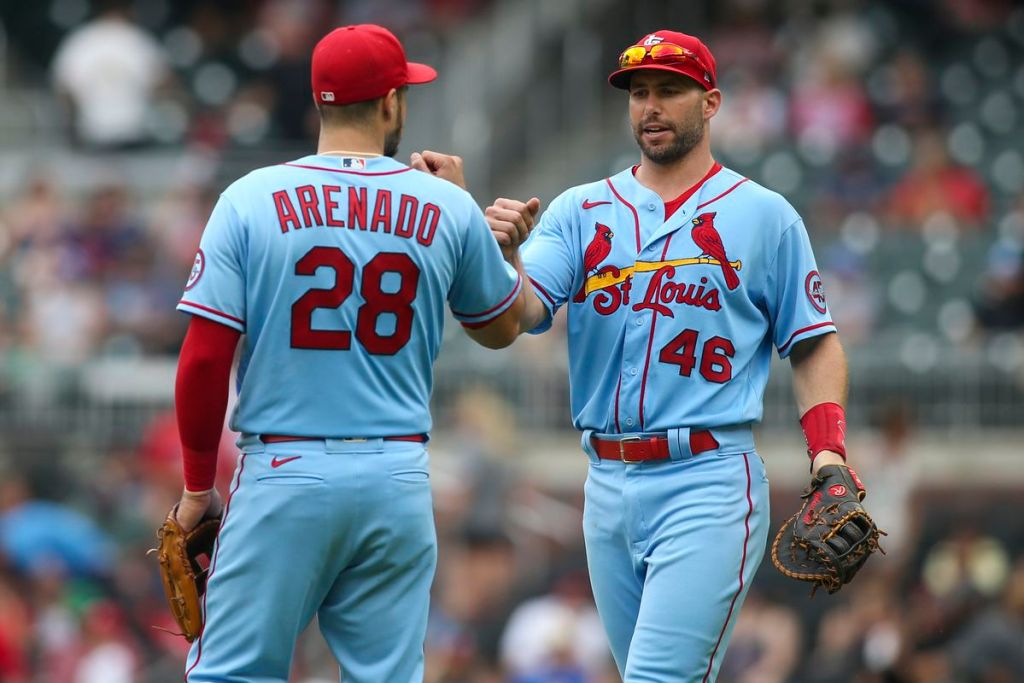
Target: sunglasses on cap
(666, 53)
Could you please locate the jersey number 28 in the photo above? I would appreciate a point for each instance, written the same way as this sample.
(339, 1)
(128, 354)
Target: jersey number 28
(377, 301)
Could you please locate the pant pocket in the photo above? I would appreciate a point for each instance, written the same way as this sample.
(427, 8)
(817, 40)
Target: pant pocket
(297, 479)
(411, 476)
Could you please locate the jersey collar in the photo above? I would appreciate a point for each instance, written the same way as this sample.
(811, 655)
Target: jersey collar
(645, 201)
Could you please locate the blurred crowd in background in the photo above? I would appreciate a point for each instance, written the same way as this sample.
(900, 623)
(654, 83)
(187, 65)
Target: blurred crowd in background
(897, 129)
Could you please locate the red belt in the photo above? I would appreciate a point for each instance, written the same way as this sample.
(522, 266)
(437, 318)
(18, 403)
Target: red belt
(638, 448)
(282, 438)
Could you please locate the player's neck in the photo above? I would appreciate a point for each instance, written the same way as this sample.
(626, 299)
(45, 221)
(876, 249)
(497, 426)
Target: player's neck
(671, 180)
(350, 140)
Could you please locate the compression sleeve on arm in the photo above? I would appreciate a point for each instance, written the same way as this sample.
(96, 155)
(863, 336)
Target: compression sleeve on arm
(201, 397)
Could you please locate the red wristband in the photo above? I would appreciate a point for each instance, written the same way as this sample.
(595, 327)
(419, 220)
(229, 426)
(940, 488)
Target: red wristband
(825, 429)
(200, 469)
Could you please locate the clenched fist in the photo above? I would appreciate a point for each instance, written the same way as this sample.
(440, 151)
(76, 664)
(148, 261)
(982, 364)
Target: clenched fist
(445, 166)
(511, 222)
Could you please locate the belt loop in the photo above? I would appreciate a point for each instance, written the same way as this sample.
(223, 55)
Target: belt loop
(587, 445)
(334, 445)
(250, 443)
(679, 443)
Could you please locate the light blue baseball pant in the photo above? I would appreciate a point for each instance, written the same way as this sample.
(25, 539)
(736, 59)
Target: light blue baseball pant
(672, 547)
(341, 529)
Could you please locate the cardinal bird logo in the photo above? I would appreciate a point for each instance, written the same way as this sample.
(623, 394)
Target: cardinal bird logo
(706, 236)
(598, 249)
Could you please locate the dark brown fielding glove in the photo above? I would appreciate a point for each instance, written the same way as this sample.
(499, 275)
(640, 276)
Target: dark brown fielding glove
(831, 537)
(184, 578)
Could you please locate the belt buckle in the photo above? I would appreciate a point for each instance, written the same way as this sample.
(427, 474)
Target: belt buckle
(622, 450)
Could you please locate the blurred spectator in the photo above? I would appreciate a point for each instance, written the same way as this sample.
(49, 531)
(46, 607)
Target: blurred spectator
(935, 184)
(45, 536)
(556, 637)
(830, 110)
(15, 629)
(109, 69)
(107, 655)
(892, 476)
(1000, 302)
(990, 649)
(765, 645)
(755, 118)
(472, 594)
(291, 27)
(966, 565)
(906, 94)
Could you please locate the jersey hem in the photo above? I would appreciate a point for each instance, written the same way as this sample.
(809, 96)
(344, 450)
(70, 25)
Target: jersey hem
(483, 318)
(806, 333)
(211, 314)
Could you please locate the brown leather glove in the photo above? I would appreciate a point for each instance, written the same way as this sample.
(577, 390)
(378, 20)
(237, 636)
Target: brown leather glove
(183, 575)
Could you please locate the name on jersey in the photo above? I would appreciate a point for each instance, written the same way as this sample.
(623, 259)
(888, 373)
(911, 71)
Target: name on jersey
(355, 208)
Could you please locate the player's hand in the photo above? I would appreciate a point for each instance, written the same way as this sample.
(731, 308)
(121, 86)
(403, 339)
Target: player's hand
(511, 222)
(445, 166)
(195, 505)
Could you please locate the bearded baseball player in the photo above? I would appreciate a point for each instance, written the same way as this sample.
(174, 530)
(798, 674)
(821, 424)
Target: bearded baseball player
(679, 276)
(336, 269)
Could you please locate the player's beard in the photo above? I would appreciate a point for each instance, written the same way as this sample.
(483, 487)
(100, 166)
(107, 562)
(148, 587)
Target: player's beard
(394, 137)
(686, 135)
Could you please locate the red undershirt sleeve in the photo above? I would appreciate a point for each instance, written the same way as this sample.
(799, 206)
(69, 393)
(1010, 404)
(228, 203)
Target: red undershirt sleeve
(201, 397)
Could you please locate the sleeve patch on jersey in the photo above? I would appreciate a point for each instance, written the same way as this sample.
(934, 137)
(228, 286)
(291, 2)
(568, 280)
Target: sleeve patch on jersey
(198, 266)
(815, 291)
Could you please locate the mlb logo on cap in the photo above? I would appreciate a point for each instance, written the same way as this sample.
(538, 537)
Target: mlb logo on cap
(359, 63)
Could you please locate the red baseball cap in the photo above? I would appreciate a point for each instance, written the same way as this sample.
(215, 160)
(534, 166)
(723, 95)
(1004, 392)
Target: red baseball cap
(694, 59)
(363, 62)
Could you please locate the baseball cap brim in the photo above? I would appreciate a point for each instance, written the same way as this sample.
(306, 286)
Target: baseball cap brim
(420, 73)
(620, 79)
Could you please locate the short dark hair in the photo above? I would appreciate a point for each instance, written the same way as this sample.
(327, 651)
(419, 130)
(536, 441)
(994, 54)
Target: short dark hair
(355, 114)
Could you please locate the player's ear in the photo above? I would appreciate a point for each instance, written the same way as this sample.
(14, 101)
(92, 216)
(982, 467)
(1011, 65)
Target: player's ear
(712, 102)
(392, 108)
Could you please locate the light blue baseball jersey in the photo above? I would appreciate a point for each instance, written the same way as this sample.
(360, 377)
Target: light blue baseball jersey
(672, 322)
(337, 270)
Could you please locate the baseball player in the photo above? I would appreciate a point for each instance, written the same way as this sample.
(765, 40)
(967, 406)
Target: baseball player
(679, 276)
(335, 268)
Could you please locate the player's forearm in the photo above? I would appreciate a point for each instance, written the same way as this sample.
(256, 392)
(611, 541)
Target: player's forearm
(819, 372)
(533, 311)
(201, 398)
(821, 383)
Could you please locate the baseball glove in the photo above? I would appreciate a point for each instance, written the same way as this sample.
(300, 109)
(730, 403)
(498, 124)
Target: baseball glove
(831, 537)
(179, 553)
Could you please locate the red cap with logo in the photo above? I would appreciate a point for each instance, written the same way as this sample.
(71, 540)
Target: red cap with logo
(667, 51)
(358, 63)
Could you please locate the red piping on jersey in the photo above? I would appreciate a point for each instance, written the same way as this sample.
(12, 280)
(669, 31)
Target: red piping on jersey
(214, 311)
(213, 564)
(536, 285)
(618, 388)
(743, 563)
(715, 199)
(801, 331)
(636, 216)
(650, 341)
(673, 205)
(492, 309)
(338, 170)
